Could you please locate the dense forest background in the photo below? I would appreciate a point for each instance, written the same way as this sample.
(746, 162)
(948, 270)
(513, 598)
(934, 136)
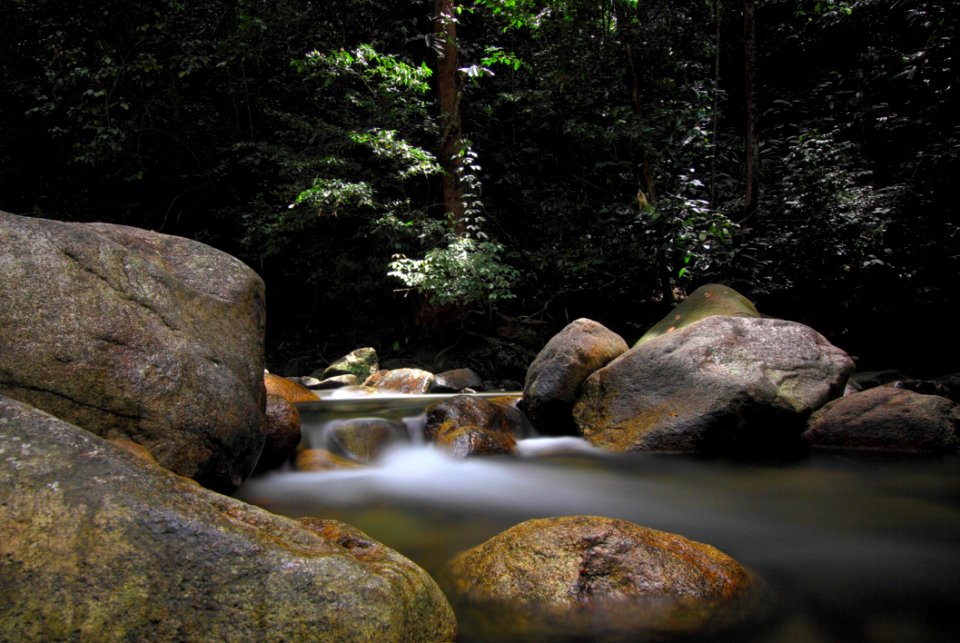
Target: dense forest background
(455, 180)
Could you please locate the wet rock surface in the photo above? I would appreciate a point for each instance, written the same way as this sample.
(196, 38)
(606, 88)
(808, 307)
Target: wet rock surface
(365, 439)
(465, 425)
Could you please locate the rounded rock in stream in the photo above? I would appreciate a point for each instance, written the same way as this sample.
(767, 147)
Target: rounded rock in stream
(887, 418)
(555, 376)
(365, 439)
(596, 578)
(734, 385)
(413, 381)
(465, 425)
(288, 389)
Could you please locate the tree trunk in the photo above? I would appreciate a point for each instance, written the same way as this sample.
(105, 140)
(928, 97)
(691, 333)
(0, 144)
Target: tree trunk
(448, 94)
(751, 141)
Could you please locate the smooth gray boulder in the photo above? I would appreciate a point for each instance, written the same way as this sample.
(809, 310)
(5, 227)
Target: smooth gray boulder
(131, 333)
(97, 544)
(739, 385)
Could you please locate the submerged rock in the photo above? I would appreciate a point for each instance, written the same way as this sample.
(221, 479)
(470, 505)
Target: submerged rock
(887, 418)
(401, 380)
(322, 460)
(578, 577)
(705, 301)
(365, 439)
(463, 442)
(724, 384)
(467, 425)
(97, 544)
(132, 333)
(554, 378)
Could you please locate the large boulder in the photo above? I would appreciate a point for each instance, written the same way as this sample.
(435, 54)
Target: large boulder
(131, 333)
(705, 301)
(97, 544)
(556, 374)
(724, 384)
(887, 418)
(596, 578)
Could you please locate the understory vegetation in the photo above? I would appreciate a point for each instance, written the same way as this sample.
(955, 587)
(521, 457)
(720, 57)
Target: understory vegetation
(454, 181)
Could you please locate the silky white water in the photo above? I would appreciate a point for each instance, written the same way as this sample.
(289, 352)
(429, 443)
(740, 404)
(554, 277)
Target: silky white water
(853, 547)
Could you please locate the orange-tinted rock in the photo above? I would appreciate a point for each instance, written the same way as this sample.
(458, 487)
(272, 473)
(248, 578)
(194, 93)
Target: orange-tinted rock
(138, 450)
(498, 415)
(563, 577)
(288, 389)
(467, 425)
(401, 380)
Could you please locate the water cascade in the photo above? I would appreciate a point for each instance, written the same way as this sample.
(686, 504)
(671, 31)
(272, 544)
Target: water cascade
(851, 547)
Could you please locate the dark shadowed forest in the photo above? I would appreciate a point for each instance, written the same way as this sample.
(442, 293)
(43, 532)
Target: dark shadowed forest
(452, 181)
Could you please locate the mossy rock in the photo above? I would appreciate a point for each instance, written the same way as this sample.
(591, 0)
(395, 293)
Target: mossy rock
(705, 301)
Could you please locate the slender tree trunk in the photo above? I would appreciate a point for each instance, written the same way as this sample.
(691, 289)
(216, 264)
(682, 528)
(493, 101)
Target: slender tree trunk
(751, 141)
(448, 94)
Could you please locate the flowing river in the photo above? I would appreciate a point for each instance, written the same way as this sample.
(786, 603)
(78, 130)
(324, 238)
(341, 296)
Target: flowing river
(851, 546)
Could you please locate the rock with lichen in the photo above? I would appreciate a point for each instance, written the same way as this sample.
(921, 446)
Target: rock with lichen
(98, 544)
(578, 577)
(131, 333)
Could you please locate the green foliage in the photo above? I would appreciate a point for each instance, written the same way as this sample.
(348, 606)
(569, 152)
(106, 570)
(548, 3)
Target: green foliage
(611, 146)
(465, 272)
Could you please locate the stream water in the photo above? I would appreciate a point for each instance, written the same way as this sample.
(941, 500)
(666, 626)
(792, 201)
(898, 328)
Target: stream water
(851, 546)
